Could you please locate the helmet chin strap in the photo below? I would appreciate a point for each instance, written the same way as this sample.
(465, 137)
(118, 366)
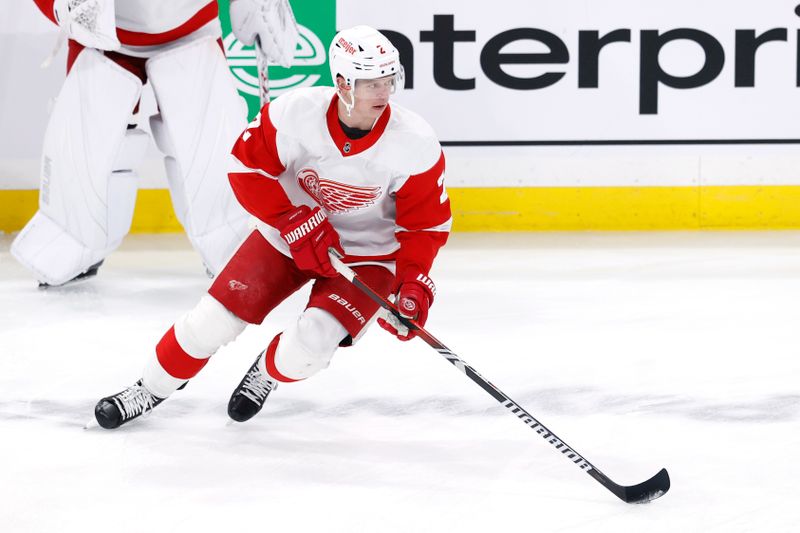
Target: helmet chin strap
(348, 106)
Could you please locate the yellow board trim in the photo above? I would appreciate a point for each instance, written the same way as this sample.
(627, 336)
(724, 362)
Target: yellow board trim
(625, 208)
(535, 208)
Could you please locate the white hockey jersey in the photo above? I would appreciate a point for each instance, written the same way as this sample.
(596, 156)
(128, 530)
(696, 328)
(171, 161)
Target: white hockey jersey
(384, 193)
(145, 26)
(153, 17)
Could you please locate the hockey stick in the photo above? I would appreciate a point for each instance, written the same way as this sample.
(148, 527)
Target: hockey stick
(647, 491)
(262, 65)
(281, 24)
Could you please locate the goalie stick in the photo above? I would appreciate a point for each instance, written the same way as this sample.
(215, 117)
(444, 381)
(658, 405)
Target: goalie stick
(262, 65)
(282, 25)
(647, 491)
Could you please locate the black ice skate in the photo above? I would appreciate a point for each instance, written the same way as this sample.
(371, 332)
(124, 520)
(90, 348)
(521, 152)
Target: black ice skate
(249, 397)
(88, 273)
(113, 411)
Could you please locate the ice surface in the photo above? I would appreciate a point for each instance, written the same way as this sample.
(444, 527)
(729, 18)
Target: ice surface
(642, 351)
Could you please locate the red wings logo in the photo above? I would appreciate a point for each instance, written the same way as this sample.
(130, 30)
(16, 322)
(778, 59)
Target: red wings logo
(336, 197)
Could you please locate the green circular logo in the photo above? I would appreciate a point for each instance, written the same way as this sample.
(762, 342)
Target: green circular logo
(309, 55)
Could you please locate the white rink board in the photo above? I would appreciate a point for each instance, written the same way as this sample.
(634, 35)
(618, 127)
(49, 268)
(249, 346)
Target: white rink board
(490, 112)
(613, 111)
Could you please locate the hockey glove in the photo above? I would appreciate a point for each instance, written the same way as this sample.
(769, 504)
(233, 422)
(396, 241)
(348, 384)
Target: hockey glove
(414, 298)
(309, 234)
(92, 23)
(271, 22)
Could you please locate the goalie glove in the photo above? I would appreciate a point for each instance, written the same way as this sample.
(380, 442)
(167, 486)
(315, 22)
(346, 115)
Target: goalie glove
(309, 234)
(92, 23)
(272, 22)
(414, 298)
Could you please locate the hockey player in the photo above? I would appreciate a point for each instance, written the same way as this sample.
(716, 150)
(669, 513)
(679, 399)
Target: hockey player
(319, 167)
(88, 187)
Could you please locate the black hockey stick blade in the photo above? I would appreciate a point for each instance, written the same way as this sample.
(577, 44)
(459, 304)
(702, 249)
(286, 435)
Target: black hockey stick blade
(644, 492)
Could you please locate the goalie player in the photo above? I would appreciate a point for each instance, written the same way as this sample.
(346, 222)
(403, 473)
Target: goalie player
(320, 167)
(91, 145)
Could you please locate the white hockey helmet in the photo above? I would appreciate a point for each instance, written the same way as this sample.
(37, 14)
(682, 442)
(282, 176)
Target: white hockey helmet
(363, 53)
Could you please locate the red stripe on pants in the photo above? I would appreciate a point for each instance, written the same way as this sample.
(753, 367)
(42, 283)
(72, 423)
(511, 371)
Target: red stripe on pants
(175, 360)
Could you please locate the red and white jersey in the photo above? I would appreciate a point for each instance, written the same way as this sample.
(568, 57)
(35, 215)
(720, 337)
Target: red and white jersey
(147, 26)
(384, 193)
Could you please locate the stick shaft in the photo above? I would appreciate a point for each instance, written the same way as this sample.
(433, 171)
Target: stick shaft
(262, 64)
(468, 370)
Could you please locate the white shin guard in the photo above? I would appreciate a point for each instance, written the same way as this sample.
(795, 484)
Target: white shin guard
(206, 328)
(88, 189)
(308, 345)
(201, 116)
(157, 380)
(200, 333)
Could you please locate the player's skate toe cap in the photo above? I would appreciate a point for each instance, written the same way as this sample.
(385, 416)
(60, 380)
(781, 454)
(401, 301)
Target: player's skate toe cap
(107, 414)
(241, 409)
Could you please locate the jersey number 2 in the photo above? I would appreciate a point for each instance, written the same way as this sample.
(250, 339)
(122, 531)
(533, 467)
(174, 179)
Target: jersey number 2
(256, 123)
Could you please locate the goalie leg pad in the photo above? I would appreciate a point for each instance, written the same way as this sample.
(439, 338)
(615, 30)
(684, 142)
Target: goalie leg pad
(51, 253)
(201, 115)
(307, 346)
(122, 186)
(87, 188)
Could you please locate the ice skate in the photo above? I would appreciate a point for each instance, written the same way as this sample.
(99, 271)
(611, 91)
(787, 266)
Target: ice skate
(249, 397)
(88, 273)
(113, 411)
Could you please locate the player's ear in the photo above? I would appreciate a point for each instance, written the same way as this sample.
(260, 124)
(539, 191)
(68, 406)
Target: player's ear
(341, 84)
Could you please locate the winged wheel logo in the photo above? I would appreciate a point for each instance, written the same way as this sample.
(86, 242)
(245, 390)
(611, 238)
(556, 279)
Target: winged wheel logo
(337, 197)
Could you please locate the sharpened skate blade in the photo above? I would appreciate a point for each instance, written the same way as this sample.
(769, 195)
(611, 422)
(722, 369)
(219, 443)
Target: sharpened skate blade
(90, 273)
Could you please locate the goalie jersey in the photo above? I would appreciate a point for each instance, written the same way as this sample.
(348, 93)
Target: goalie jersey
(144, 26)
(383, 193)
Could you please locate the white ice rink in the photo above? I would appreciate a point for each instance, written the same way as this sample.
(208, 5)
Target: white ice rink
(642, 351)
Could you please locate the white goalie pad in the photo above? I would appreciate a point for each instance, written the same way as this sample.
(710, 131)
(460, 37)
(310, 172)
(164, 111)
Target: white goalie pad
(201, 116)
(88, 189)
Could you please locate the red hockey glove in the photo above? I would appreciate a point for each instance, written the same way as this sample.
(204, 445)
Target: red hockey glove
(414, 298)
(309, 234)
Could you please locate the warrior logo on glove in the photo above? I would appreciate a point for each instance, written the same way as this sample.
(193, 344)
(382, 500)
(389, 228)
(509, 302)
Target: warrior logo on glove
(309, 234)
(306, 227)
